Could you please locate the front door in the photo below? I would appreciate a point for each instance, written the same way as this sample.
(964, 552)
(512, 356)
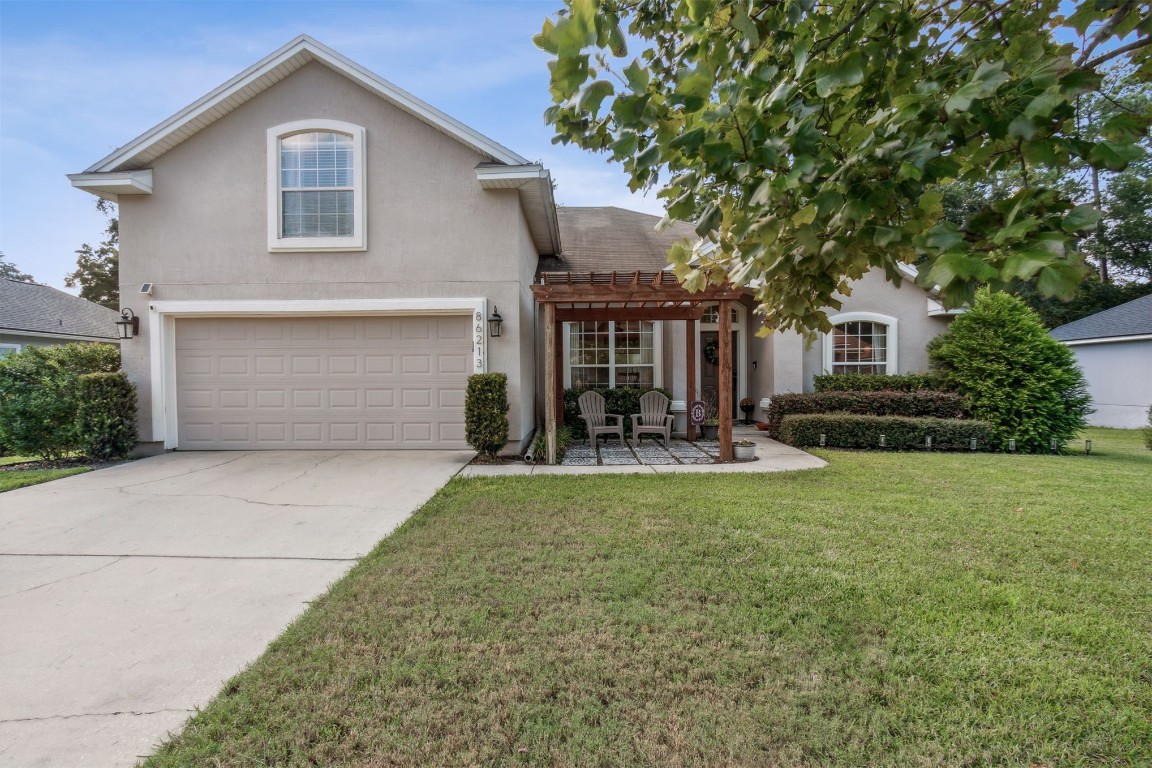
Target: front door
(710, 368)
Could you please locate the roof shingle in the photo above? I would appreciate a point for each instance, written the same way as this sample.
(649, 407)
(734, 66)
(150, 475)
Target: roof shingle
(602, 239)
(1131, 319)
(41, 309)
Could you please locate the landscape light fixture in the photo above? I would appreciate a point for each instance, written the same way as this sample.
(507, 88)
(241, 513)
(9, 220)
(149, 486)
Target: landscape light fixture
(128, 325)
(494, 322)
(1052, 445)
(823, 439)
(1011, 445)
(972, 443)
(1087, 447)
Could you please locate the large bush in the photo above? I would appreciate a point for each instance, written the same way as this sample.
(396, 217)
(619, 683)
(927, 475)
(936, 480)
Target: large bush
(39, 396)
(486, 412)
(941, 405)
(843, 430)
(1011, 373)
(872, 382)
(622, 400)
(106, 415)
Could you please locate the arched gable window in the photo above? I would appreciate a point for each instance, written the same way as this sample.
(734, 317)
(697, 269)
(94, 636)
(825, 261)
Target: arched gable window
(861, 342)
(316, 180)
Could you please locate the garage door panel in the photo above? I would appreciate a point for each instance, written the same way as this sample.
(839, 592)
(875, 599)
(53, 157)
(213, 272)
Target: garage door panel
(367, 382)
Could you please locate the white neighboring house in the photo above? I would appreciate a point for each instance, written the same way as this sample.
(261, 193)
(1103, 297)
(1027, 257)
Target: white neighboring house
(1114, 349)
(34, 315)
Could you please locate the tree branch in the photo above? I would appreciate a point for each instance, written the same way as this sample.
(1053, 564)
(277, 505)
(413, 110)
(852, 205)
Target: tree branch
(1132, 46)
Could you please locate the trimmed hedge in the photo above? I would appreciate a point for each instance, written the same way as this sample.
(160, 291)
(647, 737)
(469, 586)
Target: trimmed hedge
(843, 430)
(921, 403)
(486, 412)
(39, 396)
(875, 382)
(622, 400)
(106, 416)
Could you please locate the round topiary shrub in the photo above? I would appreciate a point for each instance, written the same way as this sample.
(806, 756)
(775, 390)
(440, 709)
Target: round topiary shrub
(486, 412)
(1012, 374)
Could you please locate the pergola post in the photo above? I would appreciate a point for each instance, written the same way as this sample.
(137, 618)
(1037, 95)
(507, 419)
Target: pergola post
(725, 380)
(550, 358)
(690, 367)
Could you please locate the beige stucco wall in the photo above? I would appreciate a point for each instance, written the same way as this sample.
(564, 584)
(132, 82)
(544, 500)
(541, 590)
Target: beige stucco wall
(1119, 377)
(432, 232)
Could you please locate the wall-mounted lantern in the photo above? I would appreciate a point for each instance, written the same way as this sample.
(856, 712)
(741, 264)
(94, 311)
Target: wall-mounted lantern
(128, 324)
(494, 323)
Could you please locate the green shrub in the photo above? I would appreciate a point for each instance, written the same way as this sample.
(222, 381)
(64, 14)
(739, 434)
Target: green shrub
(924, 402)
(1148, 431)
(106, 416)
(39, 395)
(843, 430)
(564, 439)
(622, 400)
(1011, 373)
(873, 382)
(486, 412)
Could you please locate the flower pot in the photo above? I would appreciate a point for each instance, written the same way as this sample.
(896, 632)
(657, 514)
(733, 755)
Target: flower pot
(743, 452)
(710, 432)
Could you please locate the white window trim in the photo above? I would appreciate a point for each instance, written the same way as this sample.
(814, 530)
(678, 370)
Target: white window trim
(890, 364)
(14, 347)
(657, 355)
(161, 332)
(359, 240)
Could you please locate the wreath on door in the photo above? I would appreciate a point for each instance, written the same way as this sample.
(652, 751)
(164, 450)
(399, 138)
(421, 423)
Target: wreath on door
(712, 351)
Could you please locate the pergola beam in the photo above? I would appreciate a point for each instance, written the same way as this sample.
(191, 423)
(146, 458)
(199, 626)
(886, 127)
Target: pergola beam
(573, 314)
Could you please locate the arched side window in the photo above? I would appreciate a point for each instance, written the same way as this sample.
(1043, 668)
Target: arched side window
(861, 342)
(316, 180)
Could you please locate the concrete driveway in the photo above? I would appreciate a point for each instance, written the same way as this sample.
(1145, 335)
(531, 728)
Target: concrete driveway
(129, 595)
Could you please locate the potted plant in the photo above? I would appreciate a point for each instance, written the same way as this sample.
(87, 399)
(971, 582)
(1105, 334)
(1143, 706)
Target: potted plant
(743, 450)
(746, 406)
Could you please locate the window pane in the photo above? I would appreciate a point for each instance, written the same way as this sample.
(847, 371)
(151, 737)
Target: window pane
(318, 214)
(325, 160)
(860, 347)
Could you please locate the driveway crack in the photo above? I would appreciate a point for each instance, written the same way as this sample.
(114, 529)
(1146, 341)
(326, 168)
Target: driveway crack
(66, 578)
(95, 714)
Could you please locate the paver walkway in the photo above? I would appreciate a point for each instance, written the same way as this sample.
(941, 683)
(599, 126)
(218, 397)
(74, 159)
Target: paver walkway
(647, 452)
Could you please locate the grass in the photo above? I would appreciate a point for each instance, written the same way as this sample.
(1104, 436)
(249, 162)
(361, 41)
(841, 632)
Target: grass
(890, 610)
(18, 478)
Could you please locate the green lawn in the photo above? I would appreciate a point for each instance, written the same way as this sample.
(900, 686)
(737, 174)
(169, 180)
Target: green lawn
(18, 478)
(890, 610)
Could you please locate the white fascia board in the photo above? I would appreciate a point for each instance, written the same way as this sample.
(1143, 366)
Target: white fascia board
(497, 175)
(112, 185)
(311, 50)
(1106, 340)
(936, 309)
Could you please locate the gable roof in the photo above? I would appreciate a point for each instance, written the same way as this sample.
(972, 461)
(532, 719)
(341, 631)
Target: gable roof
(30, 308)
(146, 147)
(1133, 319)
(606, 238)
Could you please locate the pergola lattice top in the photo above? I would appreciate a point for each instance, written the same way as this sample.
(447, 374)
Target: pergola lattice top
(625, 287)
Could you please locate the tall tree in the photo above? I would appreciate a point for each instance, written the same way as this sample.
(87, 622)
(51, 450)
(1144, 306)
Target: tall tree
(98, 268)
(12, 272)
(808, 139)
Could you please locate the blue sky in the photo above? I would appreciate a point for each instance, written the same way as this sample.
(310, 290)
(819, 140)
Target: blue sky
(78, 79)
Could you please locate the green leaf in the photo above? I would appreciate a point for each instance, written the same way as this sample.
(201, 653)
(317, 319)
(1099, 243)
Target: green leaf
(1115, 155)
(593, 96)
(709, 220)
(1080, 219)
(649, 157)
(844, 73)
(637, 76)
(805, 215)
(1059, 280)
(699, 10)
(988, 77)
(885, 236)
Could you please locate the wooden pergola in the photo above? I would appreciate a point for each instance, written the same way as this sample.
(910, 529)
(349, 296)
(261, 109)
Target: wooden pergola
(600, 296)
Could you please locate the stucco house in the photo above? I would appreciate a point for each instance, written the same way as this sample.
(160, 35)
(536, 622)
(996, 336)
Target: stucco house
(1114, 349)
(34, 315)
(324, 251)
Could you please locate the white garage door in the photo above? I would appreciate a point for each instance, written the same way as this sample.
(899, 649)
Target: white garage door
(338, 382)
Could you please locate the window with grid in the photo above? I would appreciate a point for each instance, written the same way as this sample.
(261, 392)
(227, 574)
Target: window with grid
(317, 185)
(612, 354)
(860, 347)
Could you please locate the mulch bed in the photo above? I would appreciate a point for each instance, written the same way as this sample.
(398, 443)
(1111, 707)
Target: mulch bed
(68, 463)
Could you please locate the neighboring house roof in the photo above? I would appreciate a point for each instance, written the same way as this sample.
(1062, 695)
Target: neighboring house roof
(1122, 323)
(33, 309)
(126, 170)
(606, 238)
